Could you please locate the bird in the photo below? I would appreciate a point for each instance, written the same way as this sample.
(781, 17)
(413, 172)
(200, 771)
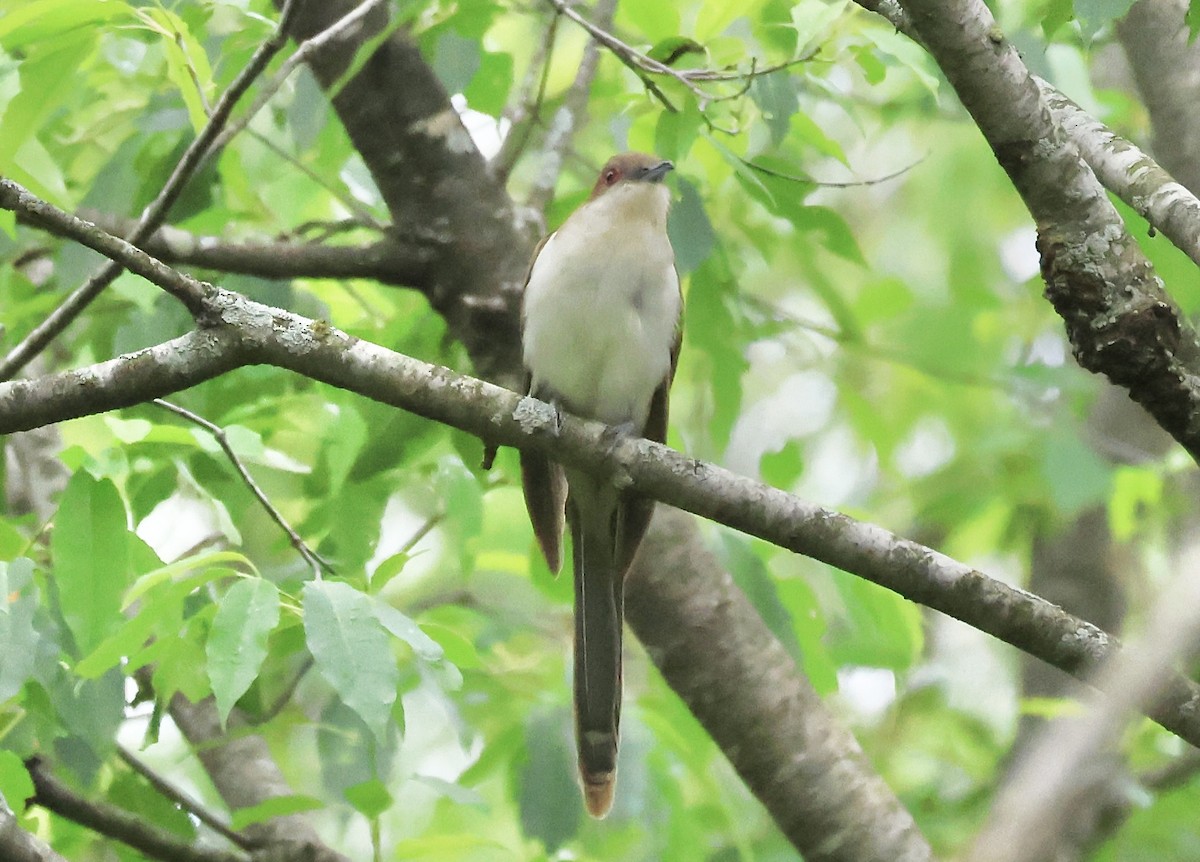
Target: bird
(601, 327)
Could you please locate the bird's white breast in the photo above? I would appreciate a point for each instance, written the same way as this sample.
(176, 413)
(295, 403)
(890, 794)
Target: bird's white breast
(602, 305)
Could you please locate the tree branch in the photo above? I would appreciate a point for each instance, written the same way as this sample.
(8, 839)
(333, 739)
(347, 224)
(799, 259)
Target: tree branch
(1130, 174)
(156, 212)
(434, 181)
(183, 800)
(245, 774)
(1051, 782)
(393, 260)
(250, 333)
(570, 115)
(315, 562)
(125, 826)
(1120, 321)
(715, 651)
(1164, 59)
(17, 845)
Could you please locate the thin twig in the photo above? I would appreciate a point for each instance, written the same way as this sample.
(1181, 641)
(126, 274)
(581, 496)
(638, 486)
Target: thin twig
(156, 212)
(285, 695)
(338, 29)
(362, 215)
(183, 800)
(528, 107)
(569, 117)
(809, 181)
(422, 531)
(643, 64)
(315, 561)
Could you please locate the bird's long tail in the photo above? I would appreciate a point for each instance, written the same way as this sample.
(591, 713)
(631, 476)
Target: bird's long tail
(599, 610)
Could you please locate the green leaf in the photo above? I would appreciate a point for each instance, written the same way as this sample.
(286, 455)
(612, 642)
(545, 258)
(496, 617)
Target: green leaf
(18, 638)
(15, 784)
(1078, 477)
(455, 61)
(47, 78)
(460, 651)
(187, 63)
(453, 846)
(907, 53)
(777, 99)
(876, 627)
(460, 494)
(490, 86)
(387, 570)
(752, 576)
(351, 650)
(690, 230)
(344, 440)
(237, 641)
(276, 806)
(403, 627)
(197, 569)
(370, 798)
(1095, 14)
(668, 51)
(551, 809)
(90, 549)
(32, 21)
(1135, 491)
(783, 467)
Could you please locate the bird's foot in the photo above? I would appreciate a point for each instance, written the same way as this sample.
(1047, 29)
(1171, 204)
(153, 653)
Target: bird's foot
(612, 437)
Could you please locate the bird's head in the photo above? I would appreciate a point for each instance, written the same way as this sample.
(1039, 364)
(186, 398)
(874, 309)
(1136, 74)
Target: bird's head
(629, 168)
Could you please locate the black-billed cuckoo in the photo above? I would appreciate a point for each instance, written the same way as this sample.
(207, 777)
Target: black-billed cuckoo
(600, 336)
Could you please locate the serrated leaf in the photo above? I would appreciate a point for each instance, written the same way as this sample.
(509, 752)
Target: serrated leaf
(276, 806)
(351, 650)
(237, 641)
(91, 558)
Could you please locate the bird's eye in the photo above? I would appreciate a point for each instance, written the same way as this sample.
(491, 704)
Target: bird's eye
(610, 177)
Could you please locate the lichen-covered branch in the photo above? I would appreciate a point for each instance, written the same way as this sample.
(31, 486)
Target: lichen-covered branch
(1120, 320)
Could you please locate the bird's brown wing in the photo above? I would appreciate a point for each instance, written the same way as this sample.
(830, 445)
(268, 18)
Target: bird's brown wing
(542, 481)
(637, 510)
